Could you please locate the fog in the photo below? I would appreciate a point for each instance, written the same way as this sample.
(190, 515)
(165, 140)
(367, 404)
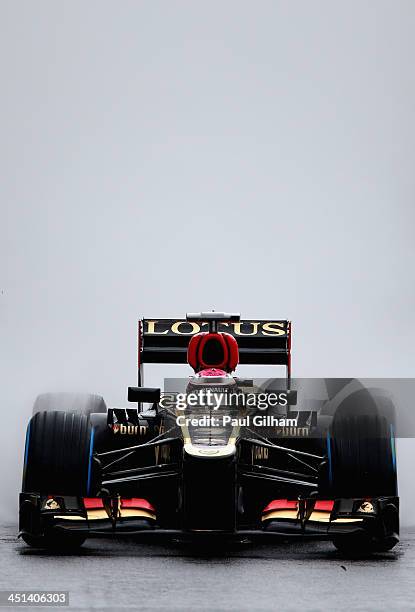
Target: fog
(163, 157)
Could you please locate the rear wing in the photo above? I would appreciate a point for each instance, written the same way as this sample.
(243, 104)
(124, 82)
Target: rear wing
(260, 341)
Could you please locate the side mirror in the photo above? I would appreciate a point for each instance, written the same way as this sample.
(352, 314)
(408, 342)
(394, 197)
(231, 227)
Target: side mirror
(143, 394)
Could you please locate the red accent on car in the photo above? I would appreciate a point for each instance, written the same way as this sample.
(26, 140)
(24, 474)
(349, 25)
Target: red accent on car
(326, 505)
(136, 502)
(281, 504)
(213, 350)
(131, 502)
(93, 502)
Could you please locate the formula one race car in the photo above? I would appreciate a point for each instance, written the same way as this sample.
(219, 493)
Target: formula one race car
(205, 462)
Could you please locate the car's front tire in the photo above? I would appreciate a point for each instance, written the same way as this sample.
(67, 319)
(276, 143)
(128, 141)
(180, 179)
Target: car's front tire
(58, 455)
(361, 455)
(59, 462)
(362, 464)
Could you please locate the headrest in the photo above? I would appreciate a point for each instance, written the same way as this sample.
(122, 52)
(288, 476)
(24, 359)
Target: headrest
(213, 350)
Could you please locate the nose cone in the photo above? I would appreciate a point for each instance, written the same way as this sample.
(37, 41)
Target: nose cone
(209, 452)
(209, 487)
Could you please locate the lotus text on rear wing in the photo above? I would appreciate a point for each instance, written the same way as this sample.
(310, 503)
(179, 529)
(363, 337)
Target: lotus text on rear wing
(243, 328)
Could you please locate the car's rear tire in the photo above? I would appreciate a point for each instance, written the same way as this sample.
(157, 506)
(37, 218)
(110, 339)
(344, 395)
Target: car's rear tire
(79, 403)
(58, 455)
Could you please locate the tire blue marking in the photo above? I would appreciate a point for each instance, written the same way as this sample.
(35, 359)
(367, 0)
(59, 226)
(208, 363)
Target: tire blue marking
(26, 447)
(329, 458)
(91, 450)
(26, 451)
(393, 447)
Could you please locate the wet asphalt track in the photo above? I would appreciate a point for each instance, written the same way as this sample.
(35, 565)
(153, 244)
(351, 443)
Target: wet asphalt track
(121, 574)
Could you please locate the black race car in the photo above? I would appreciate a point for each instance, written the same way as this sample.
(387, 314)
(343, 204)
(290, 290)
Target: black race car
(203, 462)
